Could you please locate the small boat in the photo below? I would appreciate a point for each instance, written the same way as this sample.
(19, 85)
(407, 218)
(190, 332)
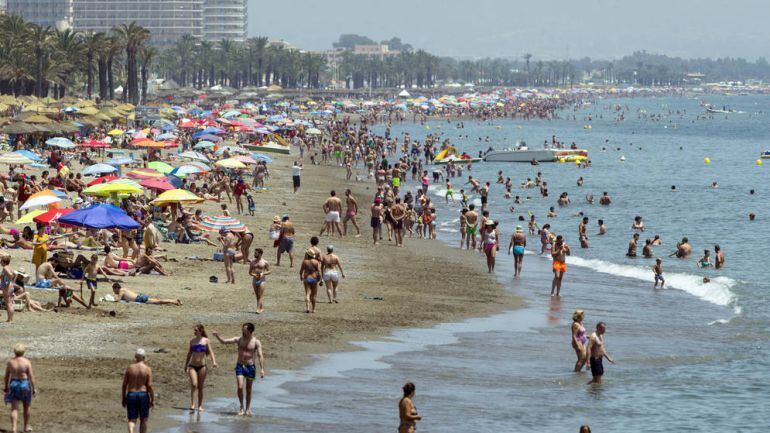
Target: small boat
(712, 110)
(523, 154)
(450, 154)
(765, 154)
(270, 146)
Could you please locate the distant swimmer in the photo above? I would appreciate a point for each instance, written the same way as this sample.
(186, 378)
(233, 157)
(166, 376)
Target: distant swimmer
(638, 224)
(705, 260)
(719, 257)
(559, 252)
(647, 249)
(407, 412)
(714, 185)
(683, 249)
(517, 246)
(673, 188)
(657, 270)
(605, 199)
(656, 241)
(602, 228)
(582, 233)
(597, 352)
(551, 212)
(632, 246)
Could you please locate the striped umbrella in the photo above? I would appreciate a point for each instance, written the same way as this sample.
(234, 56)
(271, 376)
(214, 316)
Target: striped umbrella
(144, 173)
(41, 198)
(221, 222)
(14, 158)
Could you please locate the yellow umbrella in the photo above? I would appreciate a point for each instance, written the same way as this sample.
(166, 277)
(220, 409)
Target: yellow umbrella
(177, 196)
(88, 111)
(27, 219)
(230, 163)
(116, 132)
(38, 118)
(122, 186)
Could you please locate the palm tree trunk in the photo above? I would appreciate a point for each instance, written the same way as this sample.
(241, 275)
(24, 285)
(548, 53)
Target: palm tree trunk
(89, 73)
(144, 83)
(110, 79)
(102, 65)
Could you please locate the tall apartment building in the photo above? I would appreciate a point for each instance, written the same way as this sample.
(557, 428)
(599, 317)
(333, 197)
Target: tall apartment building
(167, 20)
(224, 19)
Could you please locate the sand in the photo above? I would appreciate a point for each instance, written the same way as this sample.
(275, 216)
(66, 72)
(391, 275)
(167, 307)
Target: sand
(79, 356)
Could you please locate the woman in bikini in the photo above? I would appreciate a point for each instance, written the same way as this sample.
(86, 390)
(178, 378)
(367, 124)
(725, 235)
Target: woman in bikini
(491, 244)
(310, 275)
(407, 412)
(195, 364)
(579, 339)
(117, 266)
(246, 238)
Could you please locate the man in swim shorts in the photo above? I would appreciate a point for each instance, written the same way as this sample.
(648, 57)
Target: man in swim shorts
(350, 213)
(471, 227)
(19, 386)
(597, 352)
(376, 220)
(333, 208)
(122, 294)
(137, 393)
(245, 372)
(559, 253)
(286, 241)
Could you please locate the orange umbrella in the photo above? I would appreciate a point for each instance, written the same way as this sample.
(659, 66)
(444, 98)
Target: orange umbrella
(145, 173)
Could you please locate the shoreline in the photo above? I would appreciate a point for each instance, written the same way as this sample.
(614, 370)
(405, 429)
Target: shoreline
(98, 347)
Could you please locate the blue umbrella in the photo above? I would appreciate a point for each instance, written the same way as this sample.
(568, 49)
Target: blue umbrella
(98, 169)
(204, 145)
(173, 180)
(100, 216)
(208, 137)
(62, 142)
(31, 155)
(262, 157)
(166, 136)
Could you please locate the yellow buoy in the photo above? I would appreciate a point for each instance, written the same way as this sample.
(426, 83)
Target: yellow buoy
(759, 162)
(707, 160)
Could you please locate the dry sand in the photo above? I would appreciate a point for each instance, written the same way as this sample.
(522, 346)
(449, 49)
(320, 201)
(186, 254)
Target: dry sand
(79, 356)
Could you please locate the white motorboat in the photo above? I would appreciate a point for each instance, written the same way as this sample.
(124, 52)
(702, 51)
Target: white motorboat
(524, 154)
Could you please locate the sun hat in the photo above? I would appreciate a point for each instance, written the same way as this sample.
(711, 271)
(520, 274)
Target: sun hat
(140, 353)
(519, 229)
(276, 219)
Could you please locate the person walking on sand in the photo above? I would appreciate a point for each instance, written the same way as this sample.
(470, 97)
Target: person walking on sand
(559, 252)
(331, 269)
(296, 171)
(249, 347)
(310, 275)
(579, 339)
(517, 246)
(597, 352)
(332, 208)
(137, 393)
(397, 214)
(195, 364)
(376, 221)
(350, 213)
(407, 412)
(259, 269)
(229, 249)
(20, 386)
(286, 241)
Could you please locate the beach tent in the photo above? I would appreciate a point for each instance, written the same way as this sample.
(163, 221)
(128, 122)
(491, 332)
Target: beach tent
(100, 216)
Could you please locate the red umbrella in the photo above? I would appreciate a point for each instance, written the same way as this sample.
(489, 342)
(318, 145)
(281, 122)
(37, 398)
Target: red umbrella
(188, 124)
(145, 173)
(51, 216)
(157, 184)
(94, 144)
(103, 179)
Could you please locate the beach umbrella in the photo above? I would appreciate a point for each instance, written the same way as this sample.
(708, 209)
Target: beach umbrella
(98, 169)
(231, 149)
(94, 144)
(221, 222)
(100, 216)
(144, 173)
(119, 186)
(262, 157)
(28, 218)
(209, 137)
(204, 144)
(181, 196)
(51, 216)
(245, 159)
(188, 169)
(314, 131)
(120, 160)
(230, 163)
(31, 155)
(191, 154)
(157, 184)
(14, 158)
(40, 198)
(61, 142)
(103, 179)
(167, 136)
(160, 167)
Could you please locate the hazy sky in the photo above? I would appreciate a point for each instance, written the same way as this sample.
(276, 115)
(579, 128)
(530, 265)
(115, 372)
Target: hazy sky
(509, 28)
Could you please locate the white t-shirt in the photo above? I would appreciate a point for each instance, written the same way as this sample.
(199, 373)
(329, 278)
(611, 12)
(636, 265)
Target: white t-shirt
(295, 170)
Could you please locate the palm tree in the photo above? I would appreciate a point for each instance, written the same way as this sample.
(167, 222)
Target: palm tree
(132, 36)
(39, 40)
(527, 58)
(146, 55)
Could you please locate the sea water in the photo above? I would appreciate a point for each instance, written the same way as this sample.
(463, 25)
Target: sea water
(690, 357)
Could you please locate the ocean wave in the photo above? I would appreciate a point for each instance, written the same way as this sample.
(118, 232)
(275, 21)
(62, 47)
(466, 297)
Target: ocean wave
(716, 292)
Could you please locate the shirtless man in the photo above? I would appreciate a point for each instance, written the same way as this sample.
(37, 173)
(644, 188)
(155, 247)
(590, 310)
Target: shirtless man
(259, 269)
(147, 263)
(474, 184)
(719, 257)
(376, 221)
(245, 371)
(683, 249)
(90, 273)
(398, 213)
(471, 227)
(118, 266)
(605, 199)
(332, 208)
(484, 193)
(122, 294)
(350, 213)
(46, 279)
(597, 352)
(582, 233)
(19, 386)
(286, 241)
(632, 246)
(602, 228)
(559, 252)
(137, 393)
(330, 265)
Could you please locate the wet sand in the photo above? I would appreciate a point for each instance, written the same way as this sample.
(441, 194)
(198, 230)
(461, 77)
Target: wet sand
(79, 356)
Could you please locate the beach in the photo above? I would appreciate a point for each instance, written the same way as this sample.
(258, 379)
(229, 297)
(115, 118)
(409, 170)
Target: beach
(79, 355)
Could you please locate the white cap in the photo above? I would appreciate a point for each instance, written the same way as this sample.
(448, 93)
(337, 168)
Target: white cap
(140, 352)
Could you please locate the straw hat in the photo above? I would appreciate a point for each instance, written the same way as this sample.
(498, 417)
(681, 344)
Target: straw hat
(578, 316)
